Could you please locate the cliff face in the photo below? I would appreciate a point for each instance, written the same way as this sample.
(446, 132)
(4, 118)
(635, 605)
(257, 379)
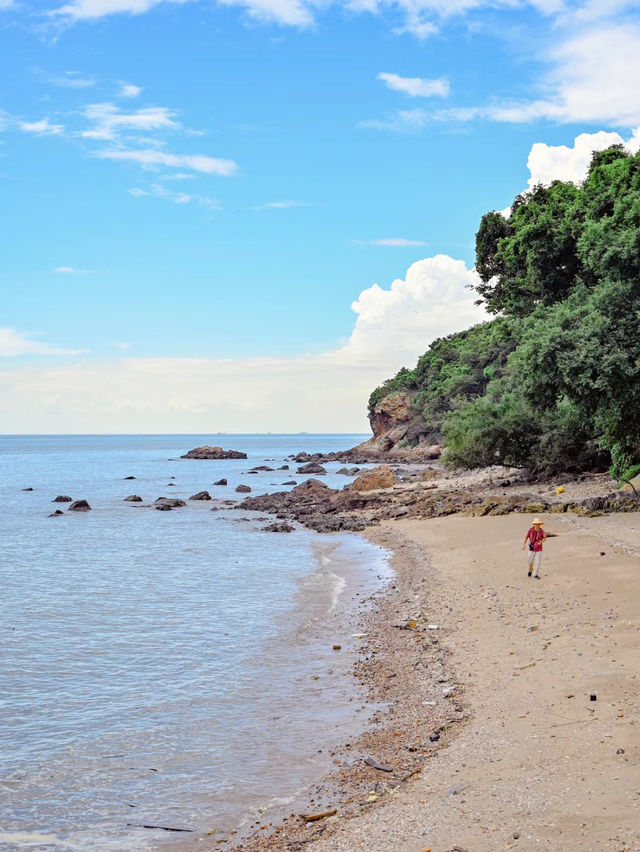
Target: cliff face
(399, 432)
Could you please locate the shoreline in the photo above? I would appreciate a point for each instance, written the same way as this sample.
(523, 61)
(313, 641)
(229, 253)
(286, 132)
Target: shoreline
(531, 761)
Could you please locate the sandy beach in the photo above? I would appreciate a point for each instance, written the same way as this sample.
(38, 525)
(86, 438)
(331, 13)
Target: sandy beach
(491, 730)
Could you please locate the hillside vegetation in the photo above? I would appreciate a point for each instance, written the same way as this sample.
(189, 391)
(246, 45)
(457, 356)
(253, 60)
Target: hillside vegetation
(553, 382)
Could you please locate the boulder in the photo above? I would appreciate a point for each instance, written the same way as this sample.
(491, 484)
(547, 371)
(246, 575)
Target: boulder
(243, 489)
(171, 485)
(213, 453)
(379, 477)
(261, 467)
(312, 467)
(284, 467)
(129, 477)
(283, 527)
(27, 489)
(172, 502)
(201, 495)
(56, 514)
(62, 498)
(133, 498)
(79, 506)
(221, 482)
(290, 482)
(163, 507)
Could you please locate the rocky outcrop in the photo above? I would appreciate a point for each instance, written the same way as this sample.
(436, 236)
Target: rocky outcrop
(133, 498)
(379, 477)
(56, 514)
(282, 527)
(79, 506)
(243, 489)
(165, 504)
(214, 453)
(201, 495)
(399, 433)
(62, 498)
(312, 467)
(221, 482)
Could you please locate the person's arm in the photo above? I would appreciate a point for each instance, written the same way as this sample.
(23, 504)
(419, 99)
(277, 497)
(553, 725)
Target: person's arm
(526, 538)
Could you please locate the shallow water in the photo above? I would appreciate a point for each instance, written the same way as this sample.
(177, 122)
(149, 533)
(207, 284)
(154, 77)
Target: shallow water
(160, 667)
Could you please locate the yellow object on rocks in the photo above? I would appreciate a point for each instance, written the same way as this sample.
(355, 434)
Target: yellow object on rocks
(560, 489)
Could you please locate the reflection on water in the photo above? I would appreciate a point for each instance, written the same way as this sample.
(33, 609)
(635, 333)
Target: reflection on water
(160, 667)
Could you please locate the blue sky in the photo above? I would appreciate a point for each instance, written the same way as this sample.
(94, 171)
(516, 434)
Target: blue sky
(196, 193)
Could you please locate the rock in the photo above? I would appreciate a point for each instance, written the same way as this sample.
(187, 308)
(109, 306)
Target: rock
(379, 477)
(62, 498)
(284, 467)
(243, 489)
(27, 489)
(283, 527)
(261, 467)
(163, 507)
(337, 647)
(79, 506)
(171, 502)
(221, 482)
(129, 477)
(56, 513)
(213, 453)
(133, 498)
(290, 482)
(171, 485)
(312, 467)
(201, 495)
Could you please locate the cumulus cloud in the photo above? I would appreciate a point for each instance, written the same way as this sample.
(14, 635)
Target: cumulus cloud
(14, 343)
(323, 392)
(151, 158)
(417, 87)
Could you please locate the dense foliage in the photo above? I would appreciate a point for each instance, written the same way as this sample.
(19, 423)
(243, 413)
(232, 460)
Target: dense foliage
(554, 381)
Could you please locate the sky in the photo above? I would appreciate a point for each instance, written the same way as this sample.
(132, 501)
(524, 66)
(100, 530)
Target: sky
(244, 215)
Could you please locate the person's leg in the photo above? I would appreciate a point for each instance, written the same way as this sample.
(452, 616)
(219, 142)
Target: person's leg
(536, 564)
(530, 556)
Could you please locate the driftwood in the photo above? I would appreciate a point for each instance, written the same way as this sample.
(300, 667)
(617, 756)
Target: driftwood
(161, 827)
(383, 767)
(314, 817)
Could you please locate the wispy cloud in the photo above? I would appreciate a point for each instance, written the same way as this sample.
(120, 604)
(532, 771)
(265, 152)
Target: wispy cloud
(283, 205)
(72, 270)
(43, 127)
(401, 121)
(393, 242)
(122, 345)
(416, 87)
(128, 90)
(68, 80)
(150, 158)
(87, 10)
(14, 343)
(156, 190)
(108, 120)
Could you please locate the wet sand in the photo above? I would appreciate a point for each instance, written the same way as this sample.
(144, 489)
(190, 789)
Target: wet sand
(522, 757)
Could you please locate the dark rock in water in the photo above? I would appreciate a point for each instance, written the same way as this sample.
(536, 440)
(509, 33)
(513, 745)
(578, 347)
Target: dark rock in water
(221, 482)
(290, 482)
(27, 489)
(163, 507)
(79, 506)
(259, 468)
(312, 467)
(284, 467)
(201, 495)
(279, 528)
(252, 471)
(171, 485)
(62, 498)
(133, 498)
(56, 513)
(171, 502)
(243, 489)
(213, 453)
(129, 477)
(172, 477)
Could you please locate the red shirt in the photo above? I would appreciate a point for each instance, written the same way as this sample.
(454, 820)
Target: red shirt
(536, 537)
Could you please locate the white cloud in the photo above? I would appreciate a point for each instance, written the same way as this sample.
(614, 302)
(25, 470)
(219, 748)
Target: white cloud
(395, 242)
(70, 80)
(325, 392)
(108, 120)
(547, 163)
(417, 87)
(44, 127)
(71, 270)
(402, 121)
(283, 205)
(158, 191)
(86, 10)
(14, 343)
(150, 158)
(128, 90)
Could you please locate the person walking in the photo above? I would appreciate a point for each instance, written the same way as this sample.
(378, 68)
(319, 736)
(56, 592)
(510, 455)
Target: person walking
(534, 538)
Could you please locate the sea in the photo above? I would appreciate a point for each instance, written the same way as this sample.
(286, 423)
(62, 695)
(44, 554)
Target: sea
(167, 670)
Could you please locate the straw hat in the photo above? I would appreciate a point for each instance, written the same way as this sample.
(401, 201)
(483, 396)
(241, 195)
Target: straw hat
(537, 521)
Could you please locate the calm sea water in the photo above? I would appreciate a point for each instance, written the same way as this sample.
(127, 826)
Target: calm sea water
(165, 668)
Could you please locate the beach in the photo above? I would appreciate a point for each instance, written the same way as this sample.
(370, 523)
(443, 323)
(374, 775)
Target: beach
(529, 689)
